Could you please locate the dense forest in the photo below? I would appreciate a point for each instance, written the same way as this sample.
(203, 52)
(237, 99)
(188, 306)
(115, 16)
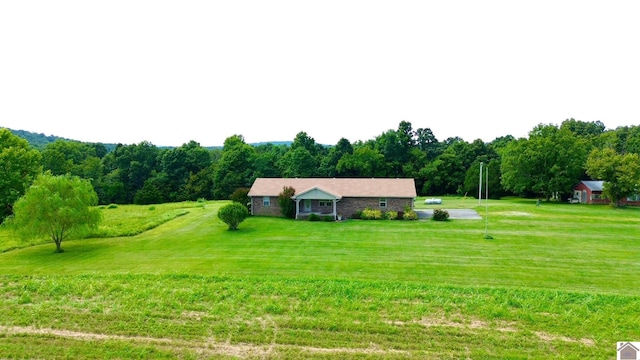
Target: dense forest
(546, 164)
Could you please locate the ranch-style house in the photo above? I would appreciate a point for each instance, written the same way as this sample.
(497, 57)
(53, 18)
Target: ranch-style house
(339, 198)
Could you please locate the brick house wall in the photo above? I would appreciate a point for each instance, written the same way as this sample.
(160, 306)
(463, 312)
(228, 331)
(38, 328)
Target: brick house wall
(346, 207)
(316, 208)
(258, 208)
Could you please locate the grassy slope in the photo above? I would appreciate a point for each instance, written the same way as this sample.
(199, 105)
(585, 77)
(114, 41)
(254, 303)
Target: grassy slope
(556, 280)
(562, 247)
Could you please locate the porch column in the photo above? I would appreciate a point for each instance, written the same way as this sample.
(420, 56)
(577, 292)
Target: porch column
(297, 207)
(335, 215)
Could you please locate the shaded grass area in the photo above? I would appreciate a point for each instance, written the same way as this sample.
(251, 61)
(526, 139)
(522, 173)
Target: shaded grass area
(184, 316)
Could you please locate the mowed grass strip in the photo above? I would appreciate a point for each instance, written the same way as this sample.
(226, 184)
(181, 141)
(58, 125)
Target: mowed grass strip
(130, 220)
(117, 221)
(183, 316)
(553, 246)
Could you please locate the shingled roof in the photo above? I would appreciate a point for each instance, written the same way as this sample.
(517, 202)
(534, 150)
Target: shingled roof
(593, 185)
(343, 187)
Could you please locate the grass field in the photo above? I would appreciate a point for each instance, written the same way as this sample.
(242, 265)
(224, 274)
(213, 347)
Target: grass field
(556, 281)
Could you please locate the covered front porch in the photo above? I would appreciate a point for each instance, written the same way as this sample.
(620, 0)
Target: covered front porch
(316, 201)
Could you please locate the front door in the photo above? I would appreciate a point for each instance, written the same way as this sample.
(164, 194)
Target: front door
(306, 205)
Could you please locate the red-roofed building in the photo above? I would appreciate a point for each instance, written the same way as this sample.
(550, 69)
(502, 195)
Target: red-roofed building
(336, 197)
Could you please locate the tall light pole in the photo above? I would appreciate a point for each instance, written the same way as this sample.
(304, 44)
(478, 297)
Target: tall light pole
(480, 185)
(486, 202)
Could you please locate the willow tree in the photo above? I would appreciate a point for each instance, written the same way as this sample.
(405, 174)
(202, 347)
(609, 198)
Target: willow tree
(58, 207)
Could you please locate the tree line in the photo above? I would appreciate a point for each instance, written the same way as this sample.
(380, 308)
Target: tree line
(547, 163)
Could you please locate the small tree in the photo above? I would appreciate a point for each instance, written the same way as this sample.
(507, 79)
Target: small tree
(58, 207)
(241, 195)
(287, 205)
(233, 214)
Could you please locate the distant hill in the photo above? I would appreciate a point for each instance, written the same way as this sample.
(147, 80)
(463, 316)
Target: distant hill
(276, 143)
(40, 141)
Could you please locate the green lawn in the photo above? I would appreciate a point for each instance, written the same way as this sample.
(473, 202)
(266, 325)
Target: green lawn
(556, 280)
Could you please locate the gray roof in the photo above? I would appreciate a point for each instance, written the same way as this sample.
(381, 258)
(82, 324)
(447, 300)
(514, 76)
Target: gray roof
(593, 185)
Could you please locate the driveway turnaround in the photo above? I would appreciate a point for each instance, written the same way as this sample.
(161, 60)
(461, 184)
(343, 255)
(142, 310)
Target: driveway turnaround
(466, 214)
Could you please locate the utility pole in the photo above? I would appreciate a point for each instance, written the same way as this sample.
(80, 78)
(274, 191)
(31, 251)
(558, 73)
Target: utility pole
(486, 203)
(480, 185)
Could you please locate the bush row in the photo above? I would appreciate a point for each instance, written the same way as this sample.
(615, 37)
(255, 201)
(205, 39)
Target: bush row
(372, 214)
(315, 217)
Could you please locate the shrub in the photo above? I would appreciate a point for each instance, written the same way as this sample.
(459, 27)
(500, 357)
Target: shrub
(112, 206)
(440, 215)
(370, 214)
(357, 215)
(391, 215)
(233, 214)
(410, 215)
(287, 205)
(314, 217)
(327, 218)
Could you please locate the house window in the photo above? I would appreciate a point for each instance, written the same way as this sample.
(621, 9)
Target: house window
(596, 197)
(383, 202)
(266, 201)
(325, 203)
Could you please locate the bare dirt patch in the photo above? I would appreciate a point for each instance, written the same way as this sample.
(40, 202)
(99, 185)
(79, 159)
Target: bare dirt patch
(209, 347)
(472, 324)
(475, 324)
(463, 214)
(195, 315)
(11, 330)
(514, 213)
(372, 349)
(550, 337)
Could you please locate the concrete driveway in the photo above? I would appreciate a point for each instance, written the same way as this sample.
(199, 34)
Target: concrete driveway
(466, 214)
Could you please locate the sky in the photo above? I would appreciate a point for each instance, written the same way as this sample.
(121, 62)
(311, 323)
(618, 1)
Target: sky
(173, 71)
